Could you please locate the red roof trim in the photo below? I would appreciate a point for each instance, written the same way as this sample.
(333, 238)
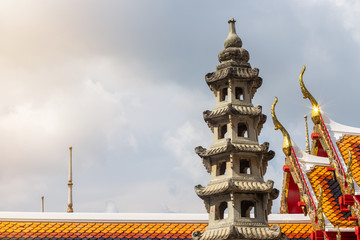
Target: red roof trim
(297, 162)
(337, 157)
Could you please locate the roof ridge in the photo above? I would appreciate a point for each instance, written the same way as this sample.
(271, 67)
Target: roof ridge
(131, 217)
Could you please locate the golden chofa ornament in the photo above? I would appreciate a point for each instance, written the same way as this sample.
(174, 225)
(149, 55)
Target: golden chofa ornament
(287, 141)
(315, 112)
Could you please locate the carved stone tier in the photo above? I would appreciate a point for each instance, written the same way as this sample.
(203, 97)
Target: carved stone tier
(245, 74)
(234, 114)
(230, 147)
(261, 151)
(230, 185)
(234, 110)
(240, 232)
(220, 78)
(233, 57)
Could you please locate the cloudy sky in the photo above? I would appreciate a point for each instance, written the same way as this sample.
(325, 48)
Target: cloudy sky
(123, 83)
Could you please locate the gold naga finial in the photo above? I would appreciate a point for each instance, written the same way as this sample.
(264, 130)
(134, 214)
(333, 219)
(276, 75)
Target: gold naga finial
(315, 113)
(286, 142)
(319, 210)
(349, 177)
(338, 235)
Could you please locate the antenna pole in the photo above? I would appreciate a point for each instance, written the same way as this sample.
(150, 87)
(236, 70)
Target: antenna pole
(42, 203)
(70, 184)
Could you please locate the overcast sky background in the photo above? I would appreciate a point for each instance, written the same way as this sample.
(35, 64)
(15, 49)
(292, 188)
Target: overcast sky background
(123, 83)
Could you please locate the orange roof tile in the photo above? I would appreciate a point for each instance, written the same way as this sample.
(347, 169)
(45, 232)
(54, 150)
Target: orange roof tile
(30, 230)
(331, 194)
(352, 142)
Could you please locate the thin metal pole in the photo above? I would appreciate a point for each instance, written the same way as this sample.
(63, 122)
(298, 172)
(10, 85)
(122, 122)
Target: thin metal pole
(70, 184)
(42, 203)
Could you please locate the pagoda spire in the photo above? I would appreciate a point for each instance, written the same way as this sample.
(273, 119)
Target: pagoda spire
(237, 198)
(232, 40)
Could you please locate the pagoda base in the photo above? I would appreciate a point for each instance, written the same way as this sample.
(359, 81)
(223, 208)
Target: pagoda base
(237, 232)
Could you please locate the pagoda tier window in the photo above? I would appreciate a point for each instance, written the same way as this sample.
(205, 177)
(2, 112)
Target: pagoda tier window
(239, 93)
(221, 169)
(245, 166)
(221, 211)
(242, 130)
(247, 209)
(223, 94)
(222, 131)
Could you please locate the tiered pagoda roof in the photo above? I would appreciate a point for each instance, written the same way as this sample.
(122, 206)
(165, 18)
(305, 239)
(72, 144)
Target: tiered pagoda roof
(263, 148)
(231, 185)
(237, 198)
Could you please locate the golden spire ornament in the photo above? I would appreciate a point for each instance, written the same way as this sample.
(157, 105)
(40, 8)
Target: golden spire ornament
(286, 142)
(349, 177)
(338, 235)
(307, 136)
(315, 113)
(319, 210)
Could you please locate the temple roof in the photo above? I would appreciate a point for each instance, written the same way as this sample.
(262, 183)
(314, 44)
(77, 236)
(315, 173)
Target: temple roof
(317, 172)
(321, 176)
(124, 226)
(344, 138)
(352, 142)
(338, 130)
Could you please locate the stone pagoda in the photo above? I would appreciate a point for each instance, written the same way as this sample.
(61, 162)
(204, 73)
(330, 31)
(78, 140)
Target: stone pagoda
(237, 198)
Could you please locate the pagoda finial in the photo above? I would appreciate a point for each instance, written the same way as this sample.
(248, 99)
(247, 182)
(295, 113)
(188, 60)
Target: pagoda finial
(307, 135)
(315, 113)
(232, 40)
(287, 142)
